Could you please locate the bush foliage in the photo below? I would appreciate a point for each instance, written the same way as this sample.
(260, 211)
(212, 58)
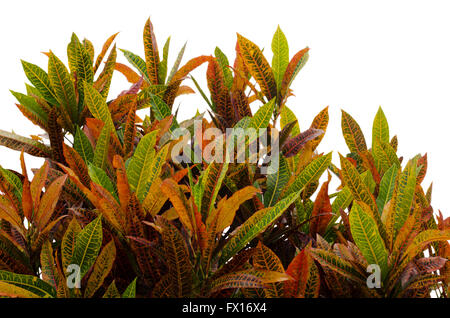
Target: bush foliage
(112, 214)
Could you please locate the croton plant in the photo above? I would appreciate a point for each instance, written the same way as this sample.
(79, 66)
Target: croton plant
(129, 205)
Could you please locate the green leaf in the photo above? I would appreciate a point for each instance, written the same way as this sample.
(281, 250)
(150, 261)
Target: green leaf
(138, 170)
(101, 148)
(405, 194)
(87, 246)
(39, 78)
(161, 110)
(130, 292)
(68, 242)
(280, 58)
(112, 291)
(100, 177)
(384, 156)
(31, 283)
(80, 60)
(223, 62)
(337, 264)
(32, 105)
(387, 186)
(177, 63)
(276, 182)
(155, 170)
(97, 106)
(162, 66)
(261, 119)
(366, 236)
(310, 173)
(288, 116)
(63, 87)
(211, 183)
(380, 129)
(137, 62)
(352, 179)
(342, 201)
(83, 146)
(255, 225)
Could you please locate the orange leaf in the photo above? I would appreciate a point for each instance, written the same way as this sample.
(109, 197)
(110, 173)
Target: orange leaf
(77, 164)
(130, 75)
(48, 201)
(38, 183)
(27, 201)
(123, 187)
(190, 66)
(291, 70)
(321, 213)
(176, 195)
(104, 50)
(305, 274)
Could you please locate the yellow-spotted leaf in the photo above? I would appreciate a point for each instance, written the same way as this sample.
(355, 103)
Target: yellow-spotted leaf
(30, 283)
(404, 195)
(264, 258)
(288, 116)
(13, 291)
(138, 170)
(102, 267)
(337, 264)
(353, 181)
(177, 258)
(380, 128)
(40, 80)
(258, 67)
(155, 170)
(353, 134)
(309, 174)
(211, 184)
(151, 52)
(276, 182)
(100, 159)
(384, 156)
(255, 225)
(320, 122)
(63, 87)
(367, 237)
(387, 186)
(68, 242)
(48, 266)
(97, 105)
(87, 246)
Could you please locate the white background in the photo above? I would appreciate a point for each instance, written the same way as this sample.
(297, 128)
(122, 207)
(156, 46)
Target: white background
(363, 54)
